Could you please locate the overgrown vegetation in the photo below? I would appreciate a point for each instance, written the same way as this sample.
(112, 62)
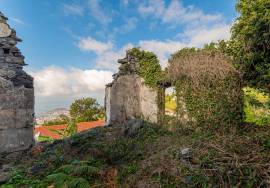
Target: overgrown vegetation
(210, 86)
(148, 67)
(151, 157)
(250, 42)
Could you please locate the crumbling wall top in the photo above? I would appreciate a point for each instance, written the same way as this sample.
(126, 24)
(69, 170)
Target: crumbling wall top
(9, 53)
(127, 66)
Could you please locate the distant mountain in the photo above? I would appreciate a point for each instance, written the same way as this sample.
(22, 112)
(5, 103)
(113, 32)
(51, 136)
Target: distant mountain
(51, 115)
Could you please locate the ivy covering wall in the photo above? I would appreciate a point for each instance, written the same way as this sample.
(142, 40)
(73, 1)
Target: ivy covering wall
(209, 85)
(148, 67)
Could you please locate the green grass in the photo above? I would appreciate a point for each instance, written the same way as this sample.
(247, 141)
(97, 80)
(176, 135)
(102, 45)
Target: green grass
(105, 157)
(256, 107)
(170, 102)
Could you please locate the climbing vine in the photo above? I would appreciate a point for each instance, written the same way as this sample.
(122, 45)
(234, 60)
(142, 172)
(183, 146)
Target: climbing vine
(209, 86)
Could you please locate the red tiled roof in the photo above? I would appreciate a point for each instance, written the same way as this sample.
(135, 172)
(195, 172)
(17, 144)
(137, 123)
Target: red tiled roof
(83, 126)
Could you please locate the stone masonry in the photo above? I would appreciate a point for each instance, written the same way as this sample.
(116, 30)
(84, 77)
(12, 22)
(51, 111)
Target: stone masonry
(128, 97)
(16, 94)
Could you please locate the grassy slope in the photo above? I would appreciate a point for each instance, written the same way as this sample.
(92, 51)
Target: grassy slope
(104, 157)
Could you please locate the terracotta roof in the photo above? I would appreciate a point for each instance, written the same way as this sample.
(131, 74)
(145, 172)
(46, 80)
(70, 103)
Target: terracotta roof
(83, 126)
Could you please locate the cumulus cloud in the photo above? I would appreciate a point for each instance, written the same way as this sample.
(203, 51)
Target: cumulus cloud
(55, 81)
(193, 37)
(73, 9)
(91, 44)
(57, 87)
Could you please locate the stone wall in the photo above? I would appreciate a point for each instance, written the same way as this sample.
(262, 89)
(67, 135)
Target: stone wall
(128, 97)
(16, 94)
(149, 103)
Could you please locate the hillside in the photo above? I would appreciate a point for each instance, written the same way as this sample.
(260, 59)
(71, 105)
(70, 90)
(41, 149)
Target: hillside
(51, 115)
(146, 155)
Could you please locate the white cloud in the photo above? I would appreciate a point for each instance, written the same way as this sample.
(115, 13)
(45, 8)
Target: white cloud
(195, 37)
(201, 35)
(98, 12)
(91, 44)
(154, 7)
(129, 25)
(55, 81)
(176, 13)
(108, 59)
(73, 9)
(107, 56)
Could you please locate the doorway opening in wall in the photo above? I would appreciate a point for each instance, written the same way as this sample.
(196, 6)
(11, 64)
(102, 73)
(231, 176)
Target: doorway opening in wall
(170, 101)
(170, 107)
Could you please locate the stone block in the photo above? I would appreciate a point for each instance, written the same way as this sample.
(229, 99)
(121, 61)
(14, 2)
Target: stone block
(15, 139)
(16, 118)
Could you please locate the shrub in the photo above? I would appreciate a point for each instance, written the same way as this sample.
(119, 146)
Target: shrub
(209, 85)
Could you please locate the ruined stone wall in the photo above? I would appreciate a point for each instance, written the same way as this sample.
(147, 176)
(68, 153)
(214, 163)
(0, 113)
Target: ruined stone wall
(149, 103)
(125, 98)
(128, 97)
(16, 94)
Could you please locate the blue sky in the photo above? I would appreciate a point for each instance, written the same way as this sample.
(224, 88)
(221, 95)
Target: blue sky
(72, 46)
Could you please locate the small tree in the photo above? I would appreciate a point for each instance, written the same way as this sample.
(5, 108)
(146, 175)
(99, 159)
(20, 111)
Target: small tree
(85, 109)
(71, 128)
(250, 42)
